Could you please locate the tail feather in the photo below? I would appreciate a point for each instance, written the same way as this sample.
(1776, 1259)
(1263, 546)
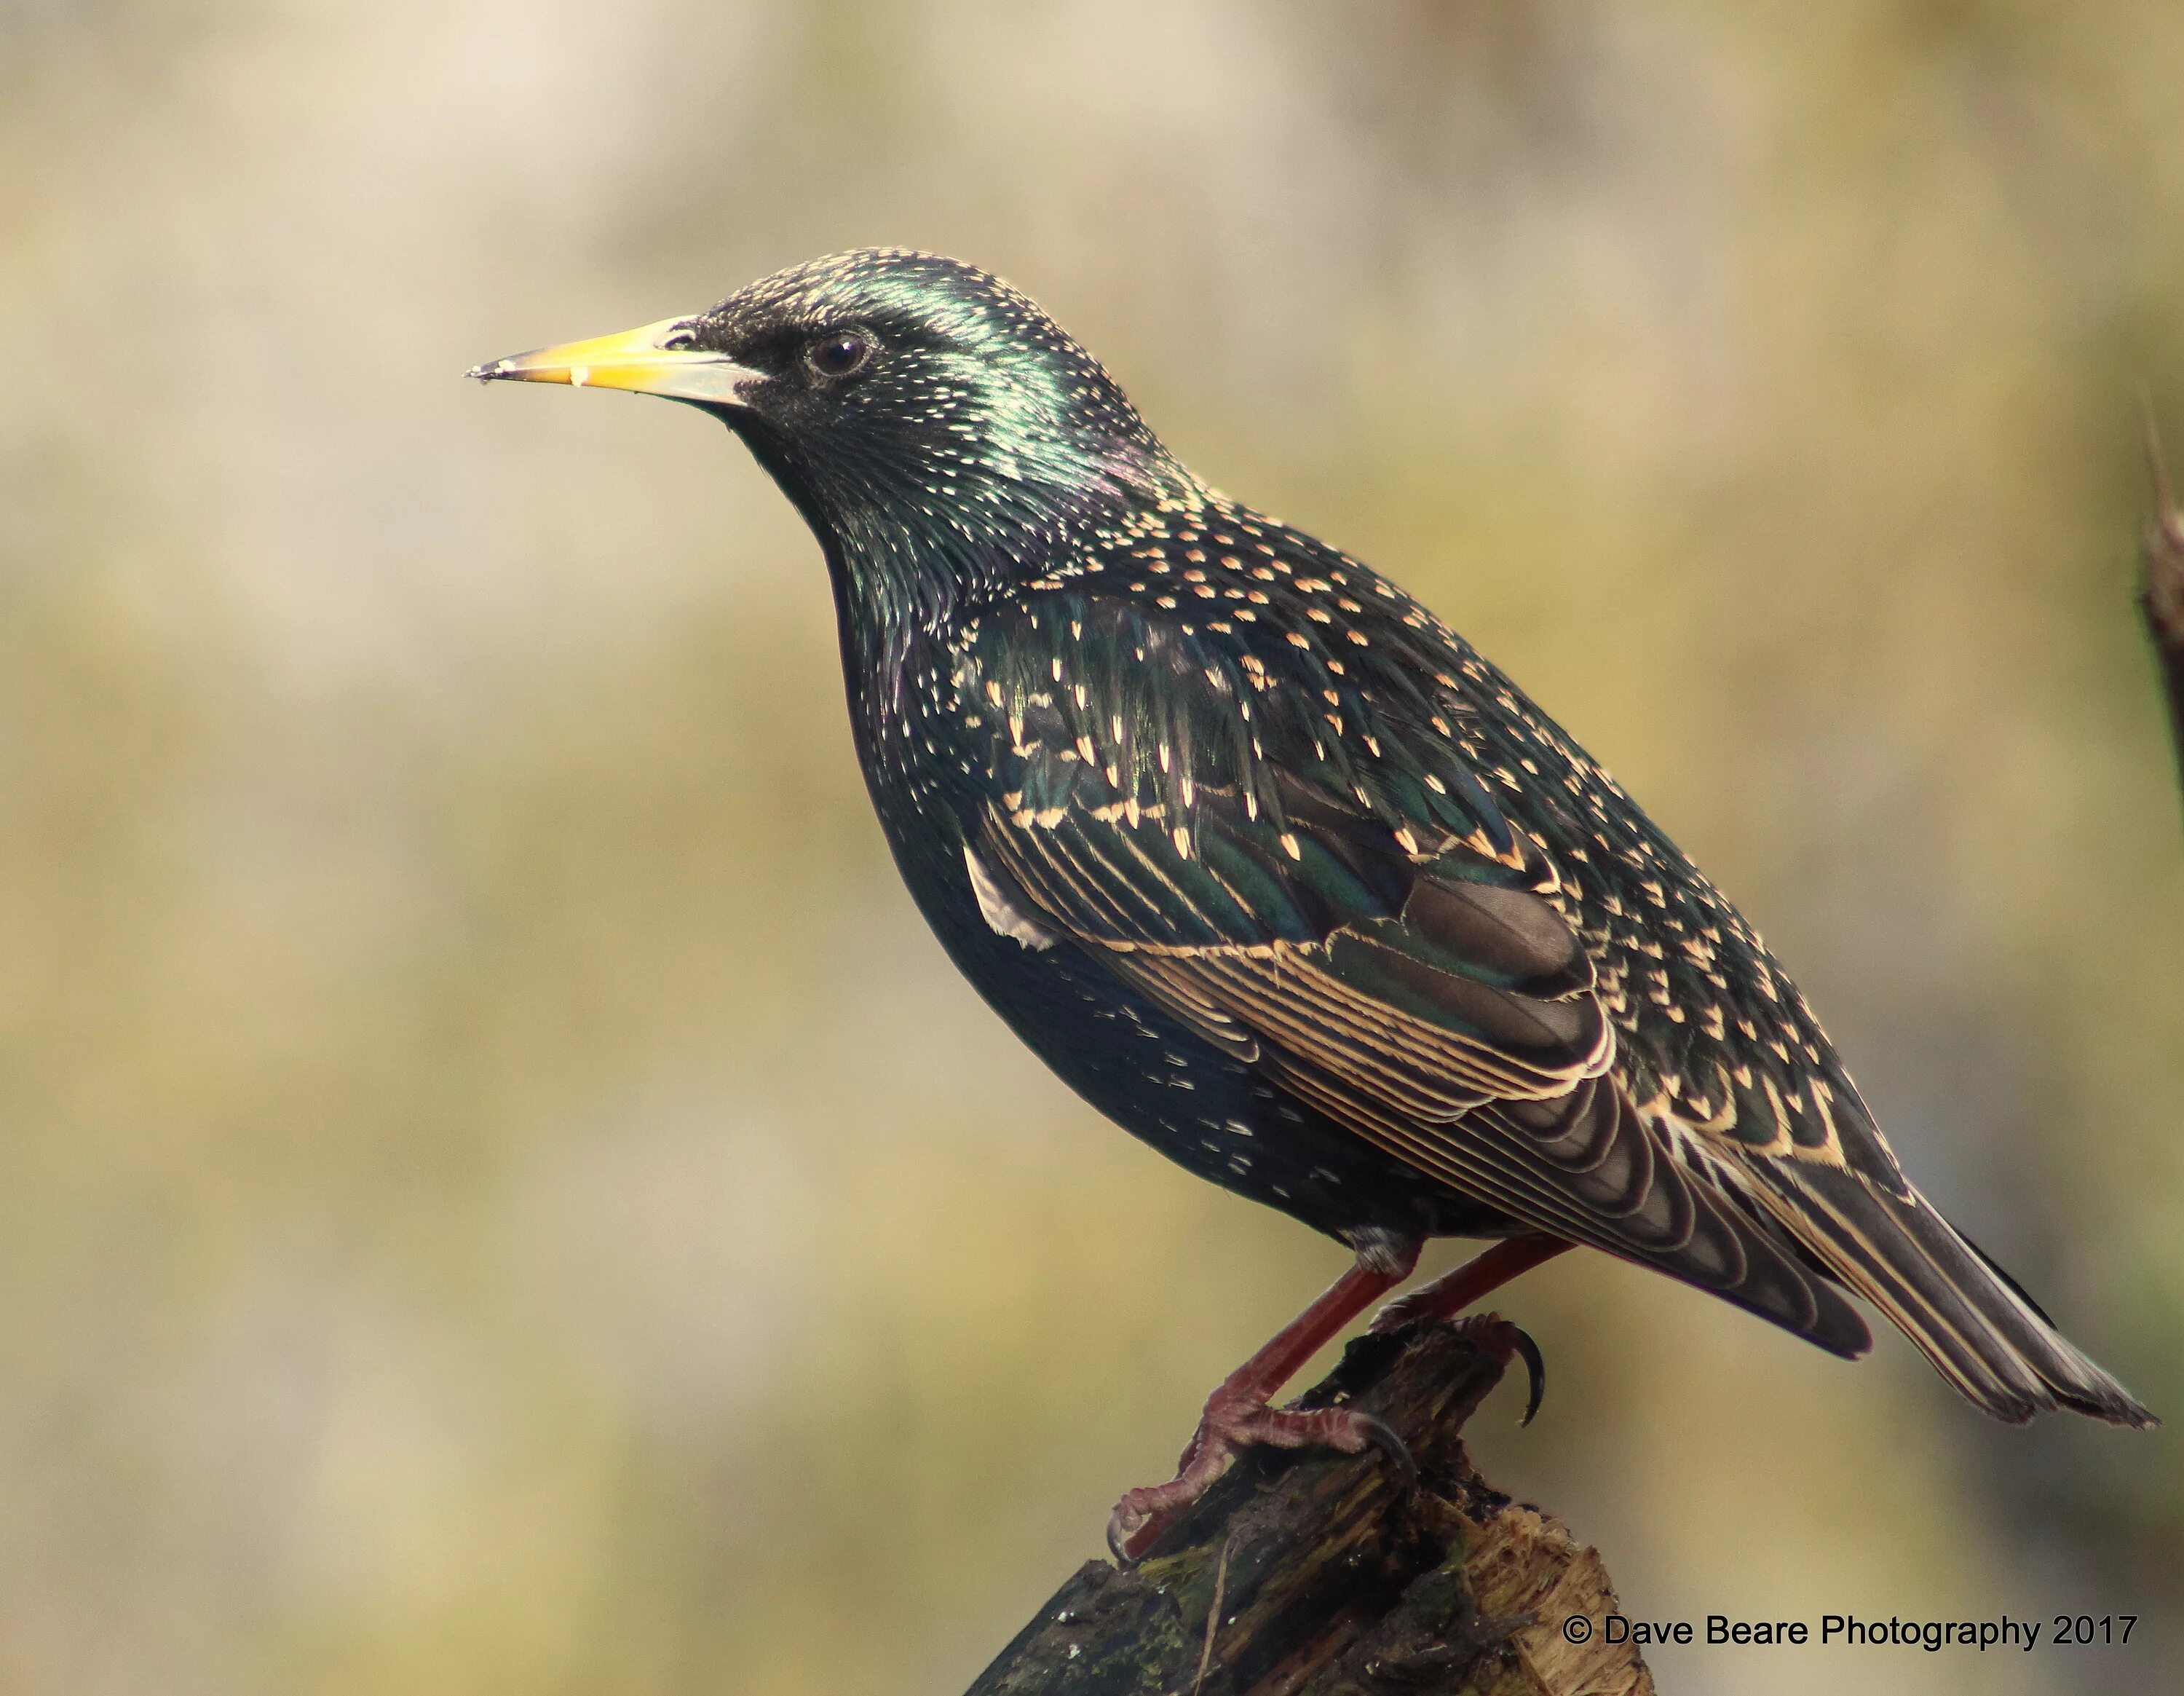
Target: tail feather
(1969, 1318)
(2002, 1272)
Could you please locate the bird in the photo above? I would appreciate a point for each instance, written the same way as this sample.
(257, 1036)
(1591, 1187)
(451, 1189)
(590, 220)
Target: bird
(1285, 877)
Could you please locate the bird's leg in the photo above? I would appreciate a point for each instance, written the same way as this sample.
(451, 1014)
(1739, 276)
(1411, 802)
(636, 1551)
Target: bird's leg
(1237, 1414)
(1478, 1278)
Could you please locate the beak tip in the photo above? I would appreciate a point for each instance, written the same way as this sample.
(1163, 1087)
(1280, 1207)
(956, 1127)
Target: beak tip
(640, 361)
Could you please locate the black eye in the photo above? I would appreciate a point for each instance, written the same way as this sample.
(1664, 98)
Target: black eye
(840, 354)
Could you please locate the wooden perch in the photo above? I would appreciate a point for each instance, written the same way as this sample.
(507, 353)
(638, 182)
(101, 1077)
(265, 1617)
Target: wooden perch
(1318, 1574)
(2161, 596)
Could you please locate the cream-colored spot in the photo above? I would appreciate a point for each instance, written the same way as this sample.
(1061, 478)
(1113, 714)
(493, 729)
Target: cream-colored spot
(1003, 918)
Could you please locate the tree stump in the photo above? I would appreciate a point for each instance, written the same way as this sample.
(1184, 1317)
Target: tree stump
(1318, 1574)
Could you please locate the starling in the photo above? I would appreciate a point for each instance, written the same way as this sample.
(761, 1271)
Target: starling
(1282, 876)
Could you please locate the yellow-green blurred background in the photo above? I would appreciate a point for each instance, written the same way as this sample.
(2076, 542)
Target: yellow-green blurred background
(498, 1189)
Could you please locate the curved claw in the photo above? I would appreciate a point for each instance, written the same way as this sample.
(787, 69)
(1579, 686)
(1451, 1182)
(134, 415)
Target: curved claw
(1536, 1370)
(1507, 1341)
(1383, 1436)
(1142, 1515)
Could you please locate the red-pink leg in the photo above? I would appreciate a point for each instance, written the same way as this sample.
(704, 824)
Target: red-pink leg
(1237, 1415)
(1478, 1278)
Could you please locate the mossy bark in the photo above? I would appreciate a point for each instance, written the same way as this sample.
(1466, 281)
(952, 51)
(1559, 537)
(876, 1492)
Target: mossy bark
(1333, 1577)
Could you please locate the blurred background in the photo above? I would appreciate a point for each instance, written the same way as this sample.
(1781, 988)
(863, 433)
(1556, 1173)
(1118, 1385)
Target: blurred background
(498, 1189)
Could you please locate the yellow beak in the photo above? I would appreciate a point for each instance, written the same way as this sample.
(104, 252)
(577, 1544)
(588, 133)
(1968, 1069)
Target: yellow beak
(646, 361)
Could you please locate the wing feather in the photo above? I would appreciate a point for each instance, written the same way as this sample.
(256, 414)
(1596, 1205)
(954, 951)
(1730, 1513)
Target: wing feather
(1301, 855)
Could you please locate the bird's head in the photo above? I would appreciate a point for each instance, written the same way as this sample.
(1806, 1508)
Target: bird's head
(901, 399)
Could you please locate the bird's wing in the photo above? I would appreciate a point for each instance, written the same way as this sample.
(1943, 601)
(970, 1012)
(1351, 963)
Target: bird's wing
(1284, 846)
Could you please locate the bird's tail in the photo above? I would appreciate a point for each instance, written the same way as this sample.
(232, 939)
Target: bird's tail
(1982, 1332)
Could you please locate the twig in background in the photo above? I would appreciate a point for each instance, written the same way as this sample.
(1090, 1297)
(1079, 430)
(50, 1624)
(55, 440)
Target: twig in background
(1213, 1615)
(2161, 595)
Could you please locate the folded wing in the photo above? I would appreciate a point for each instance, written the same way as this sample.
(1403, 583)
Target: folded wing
(1340, 901)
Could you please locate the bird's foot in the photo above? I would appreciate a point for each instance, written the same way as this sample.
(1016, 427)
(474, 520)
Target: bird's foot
(1230, 1425)
(1489, 1333)
(1506, 1342)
